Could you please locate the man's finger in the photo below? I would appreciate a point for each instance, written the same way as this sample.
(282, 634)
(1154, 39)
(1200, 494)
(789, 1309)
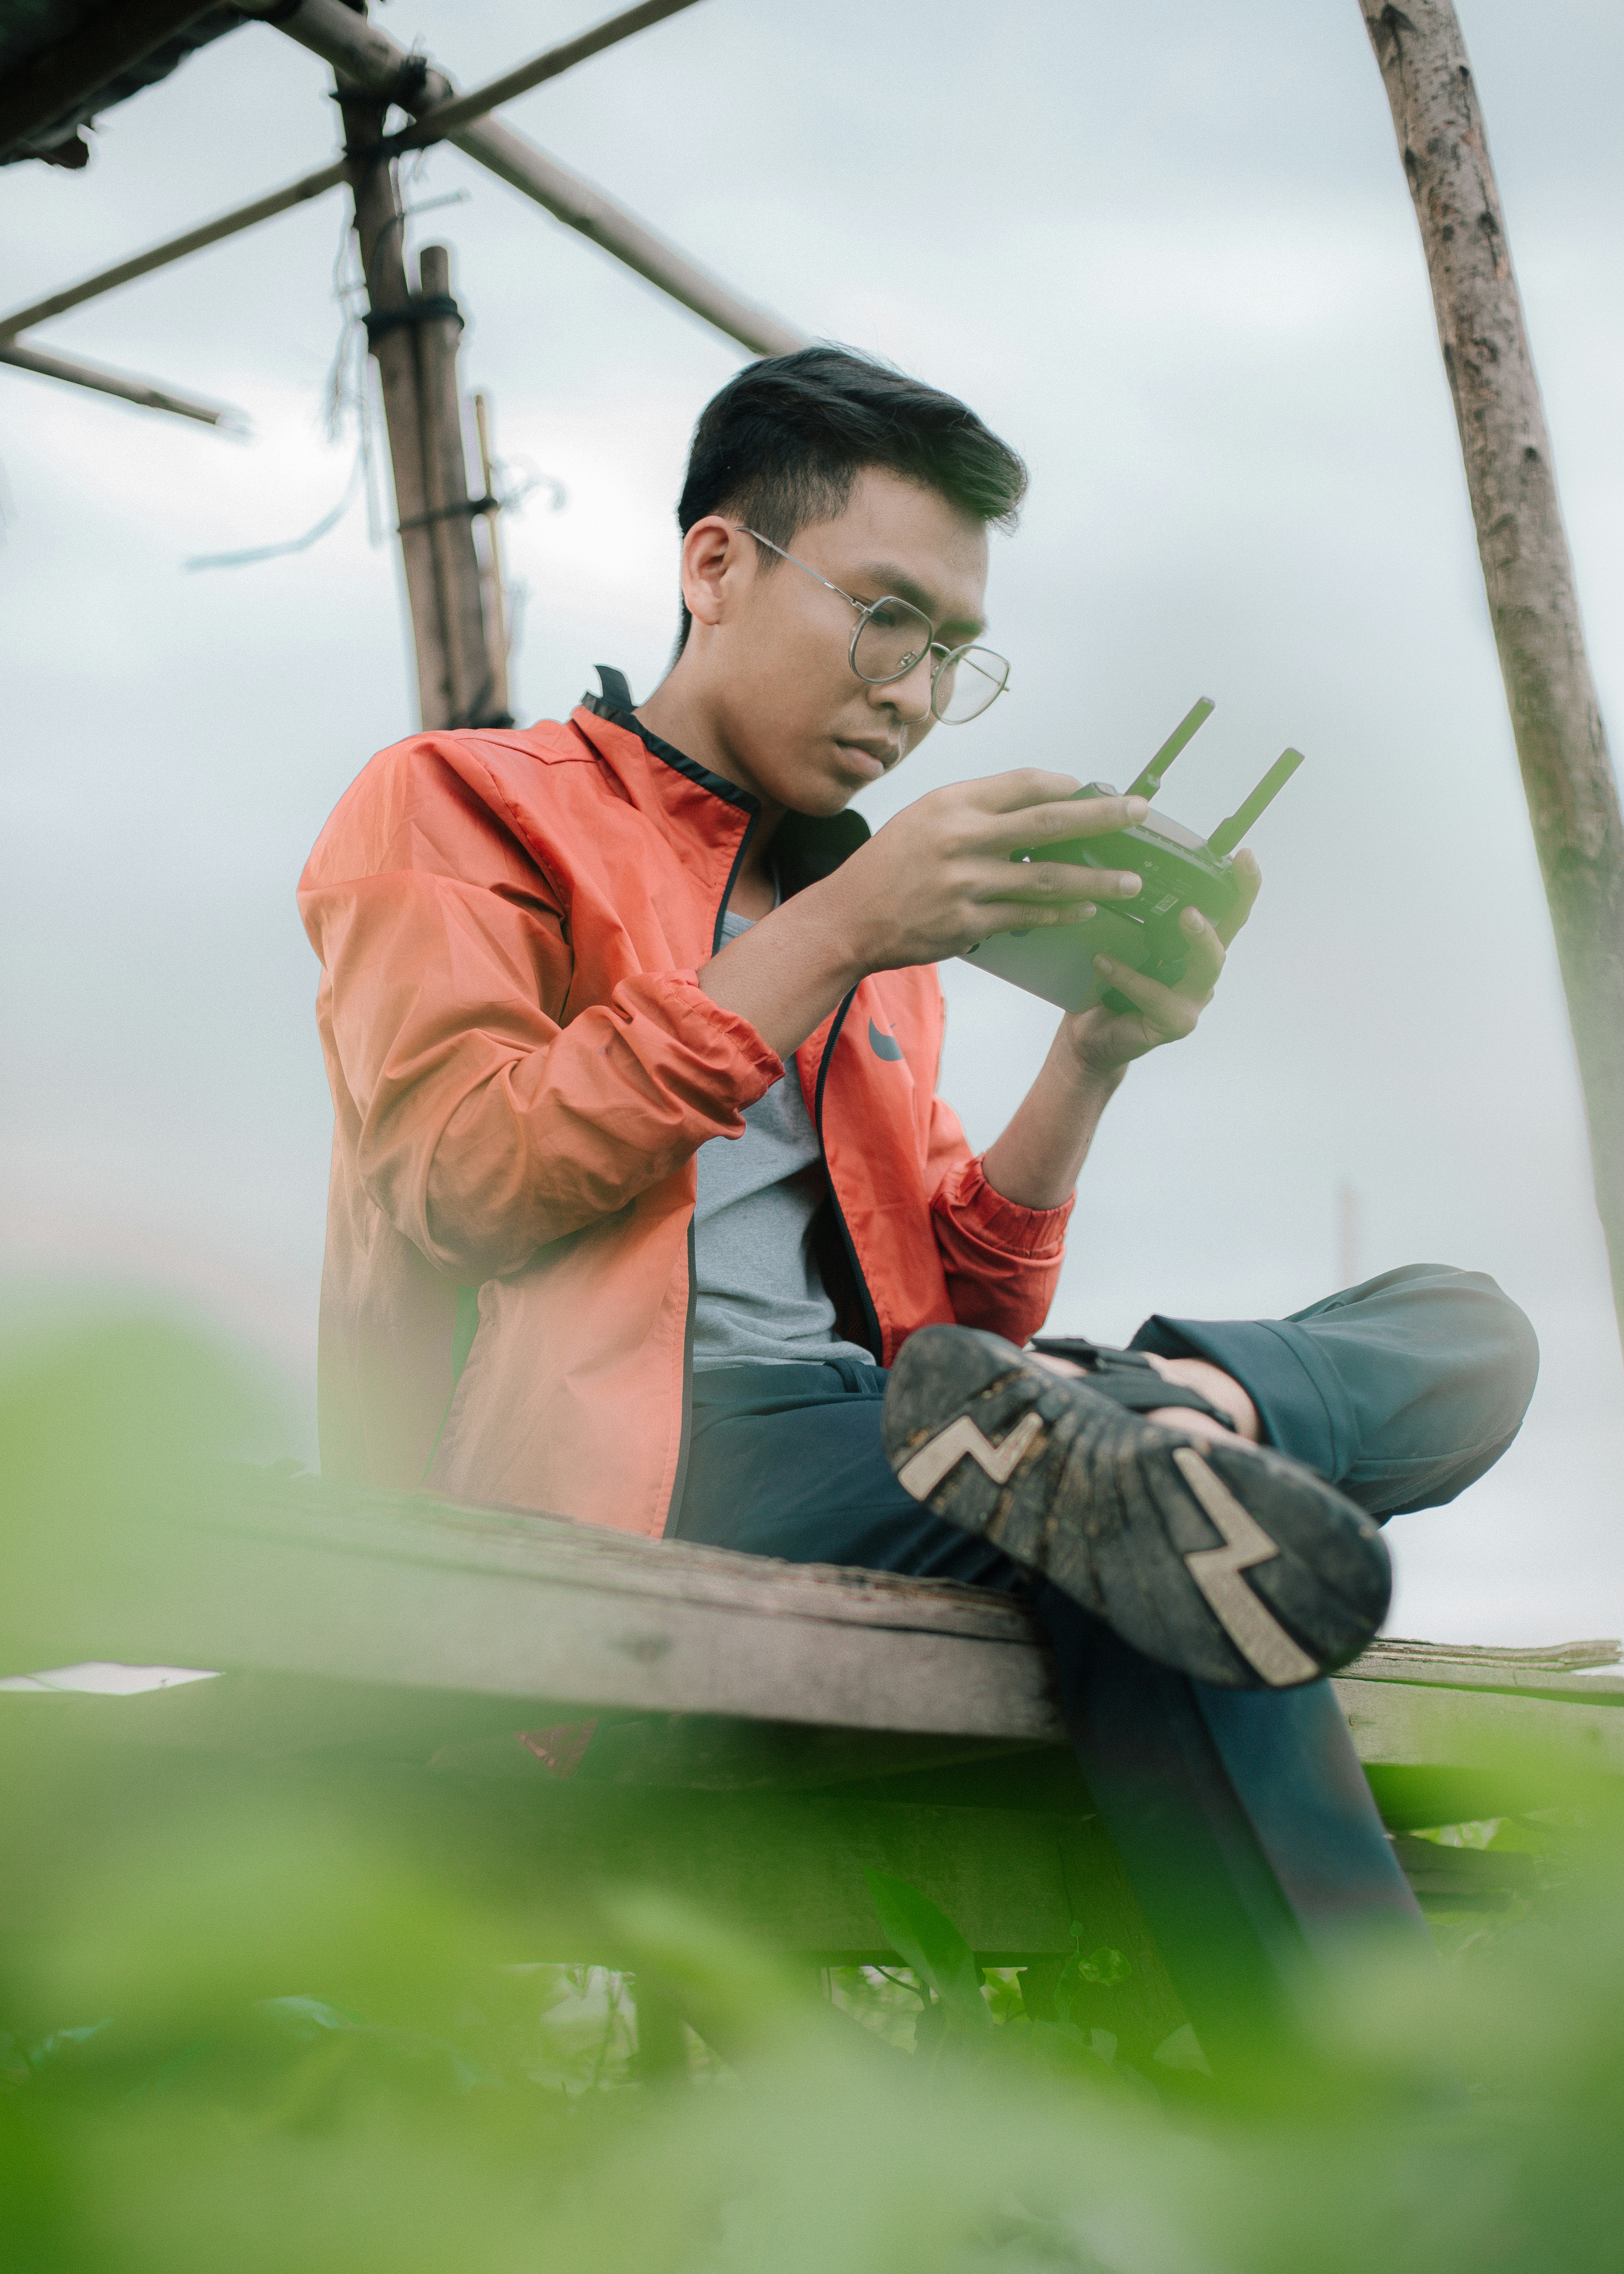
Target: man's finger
(1203, 957)
(1032, 882)
(1024, 785)
(1171, 1014)
(1249, 876)
(1055, 821)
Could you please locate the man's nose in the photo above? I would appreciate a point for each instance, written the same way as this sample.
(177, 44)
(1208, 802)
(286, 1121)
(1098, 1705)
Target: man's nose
(909, 696)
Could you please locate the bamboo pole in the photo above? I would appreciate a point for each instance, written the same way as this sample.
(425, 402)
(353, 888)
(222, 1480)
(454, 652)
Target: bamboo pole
(495, 595)
(1573, 798)
(463, 109)
(119, 383)
(380, 229)
(451, 528)
(175, 248)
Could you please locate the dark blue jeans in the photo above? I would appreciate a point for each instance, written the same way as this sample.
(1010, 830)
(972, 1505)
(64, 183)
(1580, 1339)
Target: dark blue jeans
(1243, 1817)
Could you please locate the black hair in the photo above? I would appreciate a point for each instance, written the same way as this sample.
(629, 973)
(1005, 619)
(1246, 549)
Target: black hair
(786, 439)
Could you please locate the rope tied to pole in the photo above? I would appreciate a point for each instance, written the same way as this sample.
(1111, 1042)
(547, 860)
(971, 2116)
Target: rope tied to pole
(421, 308)
(470, 507)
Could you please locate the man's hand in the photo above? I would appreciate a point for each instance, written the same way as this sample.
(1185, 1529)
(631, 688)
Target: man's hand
(941, 877)
(1106, 1041)
(1037, 1159)
(935, 880)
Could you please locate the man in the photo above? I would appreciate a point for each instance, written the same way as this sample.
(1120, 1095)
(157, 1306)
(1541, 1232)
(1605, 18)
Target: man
(641, 1185)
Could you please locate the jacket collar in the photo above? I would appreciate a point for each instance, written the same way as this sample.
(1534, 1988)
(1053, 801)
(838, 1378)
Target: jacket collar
(808, 846)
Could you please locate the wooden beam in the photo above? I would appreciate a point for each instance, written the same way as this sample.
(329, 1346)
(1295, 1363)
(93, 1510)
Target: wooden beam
(1573, 797)
(53, 83)
(552, 1622)
(175, 248)
(362, 53)
(139, 391)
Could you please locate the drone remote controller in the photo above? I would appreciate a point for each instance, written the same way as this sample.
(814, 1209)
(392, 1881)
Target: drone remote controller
(1179, 869)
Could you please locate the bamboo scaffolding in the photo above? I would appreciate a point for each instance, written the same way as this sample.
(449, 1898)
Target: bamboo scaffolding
(370, 58)
(1573, 797)
(363, 54)
(379, 232)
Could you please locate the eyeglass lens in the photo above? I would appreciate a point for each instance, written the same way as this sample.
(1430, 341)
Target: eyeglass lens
(893, 638)
(892, 641)
(966, 683)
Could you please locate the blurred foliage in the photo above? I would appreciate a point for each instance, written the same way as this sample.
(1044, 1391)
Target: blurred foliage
(250, 2023)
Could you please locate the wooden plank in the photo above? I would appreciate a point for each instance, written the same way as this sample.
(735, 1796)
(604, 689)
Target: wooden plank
(1406, 1726)
(554, 1622)
(1554, 1671)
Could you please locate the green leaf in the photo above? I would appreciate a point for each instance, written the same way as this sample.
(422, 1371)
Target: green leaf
(925, 1939)
(1104, 1965)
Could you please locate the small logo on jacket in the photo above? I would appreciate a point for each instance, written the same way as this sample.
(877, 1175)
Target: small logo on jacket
(884, 1046)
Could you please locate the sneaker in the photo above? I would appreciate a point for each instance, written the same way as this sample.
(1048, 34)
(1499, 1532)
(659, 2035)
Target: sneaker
(1231, 1562)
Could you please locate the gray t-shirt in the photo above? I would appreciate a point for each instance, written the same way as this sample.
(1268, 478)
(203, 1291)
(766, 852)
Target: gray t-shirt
(761, 1297)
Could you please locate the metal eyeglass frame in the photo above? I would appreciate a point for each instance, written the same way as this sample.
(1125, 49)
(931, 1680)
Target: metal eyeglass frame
(867, 608)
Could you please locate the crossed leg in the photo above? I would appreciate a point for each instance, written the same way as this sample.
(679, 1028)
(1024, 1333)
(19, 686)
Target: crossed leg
(1243, 1818)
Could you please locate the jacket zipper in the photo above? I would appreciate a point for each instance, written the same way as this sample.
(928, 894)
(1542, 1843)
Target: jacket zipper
(673, 1508)
(871, 1317)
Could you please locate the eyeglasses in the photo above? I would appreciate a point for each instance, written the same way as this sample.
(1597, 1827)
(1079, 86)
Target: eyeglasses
(892, 636)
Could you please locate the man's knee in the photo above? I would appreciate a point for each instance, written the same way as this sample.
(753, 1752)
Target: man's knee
(1504, 1348)
(1465, 1321)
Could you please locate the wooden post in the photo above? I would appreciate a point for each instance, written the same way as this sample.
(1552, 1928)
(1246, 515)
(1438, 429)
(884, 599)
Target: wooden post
(1573, 798)
(380, 228)
(451, 528)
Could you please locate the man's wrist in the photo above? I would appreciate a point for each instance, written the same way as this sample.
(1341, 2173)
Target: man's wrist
(1095, 1081)
(826, 937)
(785, 975)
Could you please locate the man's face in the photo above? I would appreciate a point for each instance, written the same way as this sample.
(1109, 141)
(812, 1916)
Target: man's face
(795, 722)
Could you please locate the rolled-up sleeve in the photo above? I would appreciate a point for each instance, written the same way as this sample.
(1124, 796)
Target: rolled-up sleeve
(1002, 1261)
(484, 1128)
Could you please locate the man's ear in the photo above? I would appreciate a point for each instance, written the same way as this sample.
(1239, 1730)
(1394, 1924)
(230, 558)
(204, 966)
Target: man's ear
(713, 556)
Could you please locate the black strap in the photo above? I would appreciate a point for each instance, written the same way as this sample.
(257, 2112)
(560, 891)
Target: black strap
(1127, 1377)
(468, 507)
(421, 308)
(617, 696)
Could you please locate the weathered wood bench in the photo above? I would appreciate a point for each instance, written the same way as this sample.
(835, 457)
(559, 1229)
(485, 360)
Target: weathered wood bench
(765, 1731)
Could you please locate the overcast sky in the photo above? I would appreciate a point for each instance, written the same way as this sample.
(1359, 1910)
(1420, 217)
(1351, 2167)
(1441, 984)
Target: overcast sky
(1168, 252)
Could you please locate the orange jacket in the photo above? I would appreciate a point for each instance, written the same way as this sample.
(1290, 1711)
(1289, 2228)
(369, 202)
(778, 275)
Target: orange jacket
(522, 1068)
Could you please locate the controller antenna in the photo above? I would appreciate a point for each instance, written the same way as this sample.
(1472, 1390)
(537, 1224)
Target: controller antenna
(1150, 781)
(1228, 833)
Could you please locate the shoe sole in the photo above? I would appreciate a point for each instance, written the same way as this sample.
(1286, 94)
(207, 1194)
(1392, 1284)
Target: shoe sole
(1242, 1568)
